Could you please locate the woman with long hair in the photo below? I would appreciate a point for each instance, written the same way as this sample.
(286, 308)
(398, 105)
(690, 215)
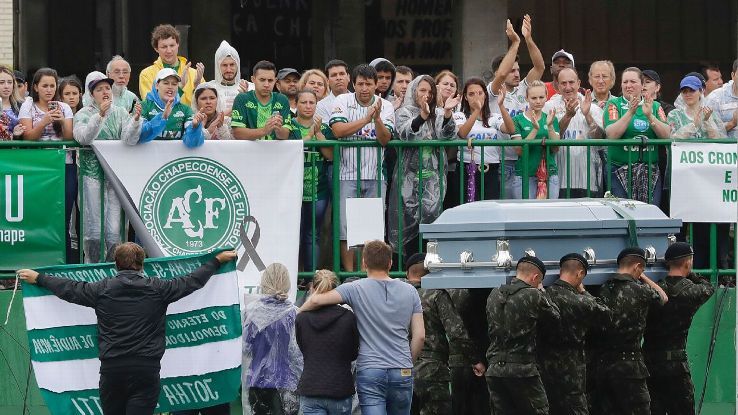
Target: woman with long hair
(272, 362)
(10, 126)
(476, 122)
(447, 85)
(71, 92)
(329, 340)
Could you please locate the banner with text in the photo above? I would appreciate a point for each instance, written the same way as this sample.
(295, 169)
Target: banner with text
(202, 362)
(704, 183)
(32, 213)
(246, 195)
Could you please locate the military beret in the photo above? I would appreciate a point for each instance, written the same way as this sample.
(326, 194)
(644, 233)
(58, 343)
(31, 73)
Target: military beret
(678, 250)
(417, 258)
(640, 253)
(575, 257)
(534, 261)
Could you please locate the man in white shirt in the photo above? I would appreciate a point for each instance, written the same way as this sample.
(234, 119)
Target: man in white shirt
(724, 101)
(338, 82)
(578, 120)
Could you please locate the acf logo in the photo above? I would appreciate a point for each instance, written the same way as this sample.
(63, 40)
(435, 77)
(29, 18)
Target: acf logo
(193, 205)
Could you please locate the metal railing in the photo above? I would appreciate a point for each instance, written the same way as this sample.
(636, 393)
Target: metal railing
(439, 148)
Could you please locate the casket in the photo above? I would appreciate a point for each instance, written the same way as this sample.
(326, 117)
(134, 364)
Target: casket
(477, 245)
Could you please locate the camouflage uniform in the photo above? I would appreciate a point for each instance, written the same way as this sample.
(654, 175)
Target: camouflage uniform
(561, 347)
(469, 394)
(665, 341)
(621, 369)
(513, 314)
(446, 340)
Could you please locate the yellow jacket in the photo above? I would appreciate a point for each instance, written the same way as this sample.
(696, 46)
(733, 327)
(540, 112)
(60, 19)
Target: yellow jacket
(146, 79)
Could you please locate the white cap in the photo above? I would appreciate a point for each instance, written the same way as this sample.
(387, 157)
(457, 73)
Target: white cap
(563, 54)
(166, 73)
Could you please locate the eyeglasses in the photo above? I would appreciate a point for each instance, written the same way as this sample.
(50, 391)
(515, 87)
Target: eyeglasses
(121, 72)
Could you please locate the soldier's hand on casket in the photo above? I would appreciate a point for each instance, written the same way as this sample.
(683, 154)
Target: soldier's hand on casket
(27, 275)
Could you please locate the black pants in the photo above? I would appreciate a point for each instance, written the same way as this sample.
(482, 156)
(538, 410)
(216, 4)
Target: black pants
(574, 193)
(672, 395)
(133, 391)
(222, 409)
(469, 395)
(265, 401)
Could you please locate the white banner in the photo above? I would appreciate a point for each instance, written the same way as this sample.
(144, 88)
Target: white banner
(197, 200)
(704, 183)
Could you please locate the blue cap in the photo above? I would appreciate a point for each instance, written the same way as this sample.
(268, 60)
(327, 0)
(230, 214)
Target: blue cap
(691, 82)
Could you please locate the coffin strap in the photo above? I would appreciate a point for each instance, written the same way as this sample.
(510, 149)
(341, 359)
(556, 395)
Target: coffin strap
(632, 229)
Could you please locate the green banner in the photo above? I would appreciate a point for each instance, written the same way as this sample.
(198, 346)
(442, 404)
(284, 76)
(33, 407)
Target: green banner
(32, 208)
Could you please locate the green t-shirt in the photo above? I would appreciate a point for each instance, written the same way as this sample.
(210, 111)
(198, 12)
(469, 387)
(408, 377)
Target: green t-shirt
(248, 112)
(315, 177)
(639, 126)
(522, 128)
(175, 124)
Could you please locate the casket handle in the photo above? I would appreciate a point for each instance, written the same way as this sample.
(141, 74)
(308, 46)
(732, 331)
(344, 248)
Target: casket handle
(431, 255)
(650, 255)
(502, 258)
(465, 258)
(589, 255)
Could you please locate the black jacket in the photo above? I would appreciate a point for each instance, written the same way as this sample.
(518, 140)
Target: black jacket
(329, 341)
(131, 311)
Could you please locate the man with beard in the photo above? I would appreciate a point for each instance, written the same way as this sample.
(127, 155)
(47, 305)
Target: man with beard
(287, 79)
(228, 80)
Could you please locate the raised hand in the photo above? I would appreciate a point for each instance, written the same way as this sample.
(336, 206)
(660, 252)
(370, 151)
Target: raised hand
(535, 120)
(587, 103)
(185, 75)
(378, 111)
(527, 28)
(137, 111)
(451, 102)
(200, 68)
(501, 97)
(105, 107)
(476, 104)
(707, 113)
(571, 106)
(198, 118)
(243, 85)
(633, 104)
(510, 32)
(551, 116)
(424, 109)
(167, 109)
(647, 107)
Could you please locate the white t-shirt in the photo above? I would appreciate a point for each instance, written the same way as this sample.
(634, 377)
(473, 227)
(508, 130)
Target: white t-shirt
(325, 108)
(724, 103)
(480, 132)
(347, 109)
(515, 103)
(29, 110)
(576, 130)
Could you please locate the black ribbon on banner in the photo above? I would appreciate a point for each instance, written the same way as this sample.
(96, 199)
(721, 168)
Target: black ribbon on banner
(249, 245)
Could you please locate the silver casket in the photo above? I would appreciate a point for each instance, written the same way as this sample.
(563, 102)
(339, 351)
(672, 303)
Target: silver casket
(477, 245)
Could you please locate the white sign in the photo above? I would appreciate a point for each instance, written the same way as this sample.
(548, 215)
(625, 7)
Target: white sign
(364, 220)
(197, 200)
(704, 183)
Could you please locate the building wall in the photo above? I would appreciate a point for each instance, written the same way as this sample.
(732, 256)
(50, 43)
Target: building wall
(6, 32)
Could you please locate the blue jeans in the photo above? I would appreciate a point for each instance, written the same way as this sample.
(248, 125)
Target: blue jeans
(508, 166)
(306, 232)
(553, 187)
(325, 406)
(385, 391)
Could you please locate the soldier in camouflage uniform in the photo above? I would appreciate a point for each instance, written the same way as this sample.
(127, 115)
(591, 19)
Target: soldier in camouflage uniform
(445, 339)
(514, 312)
(561, 347)
(621, 369)
(665, 340)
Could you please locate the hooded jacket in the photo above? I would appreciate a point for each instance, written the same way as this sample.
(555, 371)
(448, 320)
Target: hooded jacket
(419, 164)
(122, 97)
(227, 93)
(148, 75)
(329, 341)
(177, 126)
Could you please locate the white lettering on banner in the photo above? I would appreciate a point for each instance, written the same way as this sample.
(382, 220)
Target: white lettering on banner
(703, 185)
(189, 392)
(79, 403)
(9, 199)
(12, 236)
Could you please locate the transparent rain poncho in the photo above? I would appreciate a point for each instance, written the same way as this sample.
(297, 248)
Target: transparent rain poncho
(272, 362)
(409, 179)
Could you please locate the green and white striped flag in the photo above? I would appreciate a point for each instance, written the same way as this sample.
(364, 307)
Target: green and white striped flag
(201, 365)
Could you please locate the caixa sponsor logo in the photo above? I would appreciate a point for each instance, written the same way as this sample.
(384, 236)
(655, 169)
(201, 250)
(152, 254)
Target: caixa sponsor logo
(192, 205)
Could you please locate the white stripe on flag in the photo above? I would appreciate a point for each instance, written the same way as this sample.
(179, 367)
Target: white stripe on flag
(75, 375)
(49, 311)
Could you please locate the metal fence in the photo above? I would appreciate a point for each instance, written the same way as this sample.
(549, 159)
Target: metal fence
(458, 179)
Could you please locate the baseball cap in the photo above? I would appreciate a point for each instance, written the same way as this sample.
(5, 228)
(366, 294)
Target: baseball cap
(652, 75)
(416, 258)
(166, 73)
(19, 76)
(284, 72)
(563, 54)
(678, 250)
(691, 82)
(94, 78)
(699, 76)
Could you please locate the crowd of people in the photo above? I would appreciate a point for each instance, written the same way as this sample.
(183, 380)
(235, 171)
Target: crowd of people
(381, 102)
(385, 346)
